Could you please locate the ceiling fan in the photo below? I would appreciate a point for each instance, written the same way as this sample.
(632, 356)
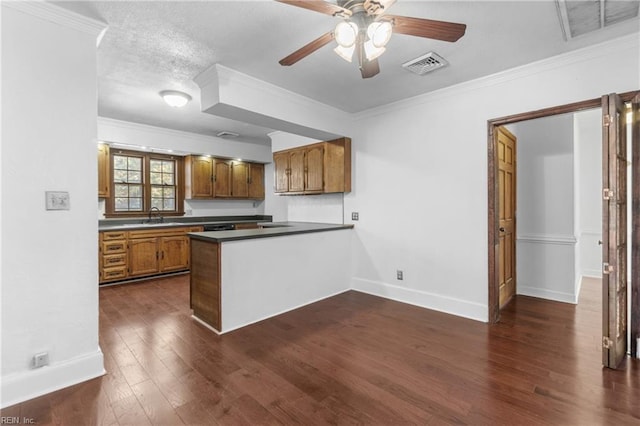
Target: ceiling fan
(366, 29)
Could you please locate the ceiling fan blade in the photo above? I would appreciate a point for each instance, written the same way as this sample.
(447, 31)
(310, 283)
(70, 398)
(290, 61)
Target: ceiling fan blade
(307, 49)
(369, 68)
(439, 30)
(377, 7)
(320, 6)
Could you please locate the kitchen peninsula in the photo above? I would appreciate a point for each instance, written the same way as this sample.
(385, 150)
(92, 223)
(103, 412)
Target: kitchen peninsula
(244, 276)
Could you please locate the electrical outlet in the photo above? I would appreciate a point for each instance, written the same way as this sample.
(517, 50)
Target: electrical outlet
(399, 274)
(40, 360)
(355, 216)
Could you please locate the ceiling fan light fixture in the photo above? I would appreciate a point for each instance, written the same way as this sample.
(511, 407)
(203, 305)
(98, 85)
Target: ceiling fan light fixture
(345, 53)
(371, 51)
(346, 33)
(174, 98)
(379, 33)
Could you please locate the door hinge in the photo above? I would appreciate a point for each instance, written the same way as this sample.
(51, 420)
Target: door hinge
(607, 194)
(606, 268)
(606, 342)
(607, 120)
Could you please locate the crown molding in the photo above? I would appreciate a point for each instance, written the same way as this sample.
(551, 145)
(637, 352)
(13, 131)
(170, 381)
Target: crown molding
(588, 53)
(58, 15)
(147, 128)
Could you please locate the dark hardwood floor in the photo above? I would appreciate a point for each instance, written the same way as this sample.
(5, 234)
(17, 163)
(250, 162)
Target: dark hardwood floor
(350, 359)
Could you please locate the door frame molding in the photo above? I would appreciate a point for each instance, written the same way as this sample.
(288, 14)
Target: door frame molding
(492, 194)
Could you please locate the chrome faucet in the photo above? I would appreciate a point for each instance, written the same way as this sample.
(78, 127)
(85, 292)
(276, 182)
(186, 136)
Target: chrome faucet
(159, 218)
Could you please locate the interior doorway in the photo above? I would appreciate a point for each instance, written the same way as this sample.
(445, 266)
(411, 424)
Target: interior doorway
(494, 255)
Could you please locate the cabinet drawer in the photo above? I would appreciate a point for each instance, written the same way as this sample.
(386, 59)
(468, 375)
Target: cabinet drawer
(112, 247)
(116, 273)
(110, 260)
(113, 235)
(150, 233)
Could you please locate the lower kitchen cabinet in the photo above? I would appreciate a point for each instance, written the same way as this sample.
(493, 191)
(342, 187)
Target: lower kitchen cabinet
(174, 253)
(143, 256)
(144, 252)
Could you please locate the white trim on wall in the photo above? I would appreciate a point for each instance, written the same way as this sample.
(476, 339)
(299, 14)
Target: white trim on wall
(588, 53)
(57, 15)
(30, 384)
(544, 293)
(423, 299)
(547, 239)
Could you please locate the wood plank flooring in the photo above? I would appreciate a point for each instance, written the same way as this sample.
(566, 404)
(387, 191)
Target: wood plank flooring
(350, 359)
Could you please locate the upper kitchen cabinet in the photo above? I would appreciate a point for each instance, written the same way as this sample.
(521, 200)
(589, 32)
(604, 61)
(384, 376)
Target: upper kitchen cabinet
(222, 178)
(199, 177)
(256, 181)
(103, 170)
(208, 178)
(319, 168)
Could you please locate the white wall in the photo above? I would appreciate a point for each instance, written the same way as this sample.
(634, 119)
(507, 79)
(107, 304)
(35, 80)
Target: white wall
(140, 135)
(420, 180)
(49, 277)
(245, 297)
(588, 139)
(545, 242)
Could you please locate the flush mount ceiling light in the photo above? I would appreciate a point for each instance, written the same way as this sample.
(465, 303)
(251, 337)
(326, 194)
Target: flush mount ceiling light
(174, 98)
(366, 29)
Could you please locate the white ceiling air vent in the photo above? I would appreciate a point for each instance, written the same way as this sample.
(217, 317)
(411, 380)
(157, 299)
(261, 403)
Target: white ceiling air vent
(581, 17)
(226, 134)
(425, 63)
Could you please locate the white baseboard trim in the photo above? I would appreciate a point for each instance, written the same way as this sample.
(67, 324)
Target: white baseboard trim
(543, 293)
(436, 302)
(19, 387)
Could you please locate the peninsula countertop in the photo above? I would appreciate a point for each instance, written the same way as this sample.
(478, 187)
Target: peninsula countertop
(271, 229)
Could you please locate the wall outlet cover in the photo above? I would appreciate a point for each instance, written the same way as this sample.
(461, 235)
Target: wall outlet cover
(57, 200)
(355, 216)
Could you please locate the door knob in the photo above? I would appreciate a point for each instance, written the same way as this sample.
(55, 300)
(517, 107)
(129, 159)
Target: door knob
(501, 229)
(599, 242)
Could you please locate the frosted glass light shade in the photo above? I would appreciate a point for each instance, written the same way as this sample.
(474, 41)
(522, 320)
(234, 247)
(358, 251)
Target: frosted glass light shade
(345, 53)
(346, 33)
(379, 33)
(371, 51)
(174, 98)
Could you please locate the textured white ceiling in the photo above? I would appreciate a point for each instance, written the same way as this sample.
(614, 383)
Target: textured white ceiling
(157, 45)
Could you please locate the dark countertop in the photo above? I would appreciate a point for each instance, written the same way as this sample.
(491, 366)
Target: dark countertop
(169, 222)
(273, 229)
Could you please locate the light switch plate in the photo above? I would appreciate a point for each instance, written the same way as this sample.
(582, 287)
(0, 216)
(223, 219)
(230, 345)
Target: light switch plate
(355, 216)
(57, 200)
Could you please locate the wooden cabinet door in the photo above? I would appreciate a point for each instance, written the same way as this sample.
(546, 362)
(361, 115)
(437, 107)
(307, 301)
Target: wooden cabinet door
(201, 177)
(103, 171)
(174, 253)
(256, 181)
(281, 165)
(239, 179)
(314, 159)
(296, 170)
(222, 179)
(143, 256)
